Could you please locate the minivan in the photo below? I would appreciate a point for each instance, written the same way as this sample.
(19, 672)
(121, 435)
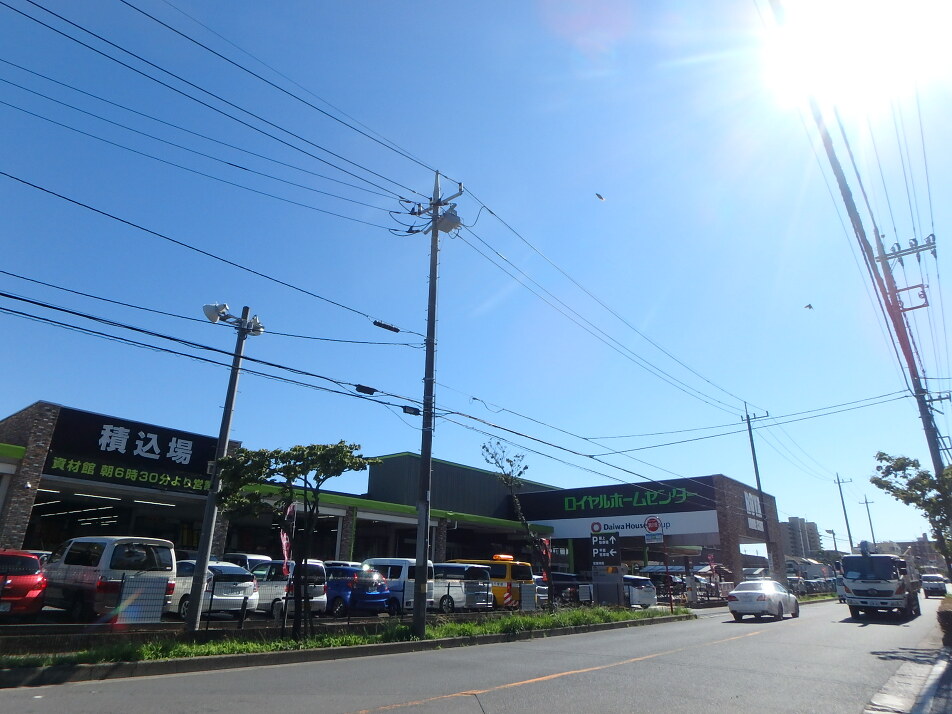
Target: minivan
(462, 586)
(401, 576)
(127, 577)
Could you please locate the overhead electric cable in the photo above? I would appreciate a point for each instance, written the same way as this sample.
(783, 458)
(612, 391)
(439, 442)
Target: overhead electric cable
(296, 84)
(198, 358)
(194, 345)
(196, 250)
(178, 127)
(206, 104)
(141, 308)
(600, 302)
(168, 143)
(210, 176)
(603, 337)
(280, 88)
(743, 430)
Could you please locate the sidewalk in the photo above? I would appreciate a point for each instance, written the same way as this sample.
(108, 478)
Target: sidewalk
(936, 696)
(917, 688)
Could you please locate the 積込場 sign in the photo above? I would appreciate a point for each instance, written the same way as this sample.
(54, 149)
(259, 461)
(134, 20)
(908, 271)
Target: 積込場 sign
(96, 447)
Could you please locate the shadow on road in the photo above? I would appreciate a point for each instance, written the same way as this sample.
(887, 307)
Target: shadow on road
(882, 619)
(909, 654)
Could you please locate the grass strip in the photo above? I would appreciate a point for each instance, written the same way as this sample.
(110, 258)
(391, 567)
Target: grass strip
(166, 648)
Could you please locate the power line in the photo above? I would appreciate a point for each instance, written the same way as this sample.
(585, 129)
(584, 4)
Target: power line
(211, 94)
(172, 338)
(168, 143)
(199, 135)
(187, 246)
(281, 89)
(600, 334)
(788, 421)
(141, 308)
(604, 305)
(207, 175)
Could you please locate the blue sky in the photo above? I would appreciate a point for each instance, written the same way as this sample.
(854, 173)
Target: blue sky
(639, 323)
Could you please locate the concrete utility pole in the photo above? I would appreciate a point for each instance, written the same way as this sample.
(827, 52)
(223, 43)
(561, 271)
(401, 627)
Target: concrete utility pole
(446, 223)
(833, 533)
(244, 327)
(760, 495)
(839, 484)
(871, 532)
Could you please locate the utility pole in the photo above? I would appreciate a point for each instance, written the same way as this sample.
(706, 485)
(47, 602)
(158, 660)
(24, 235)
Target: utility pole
(846, 518)
(244, 327)
(421, 577)
(760, 494)
(833, 533)
(871, 532)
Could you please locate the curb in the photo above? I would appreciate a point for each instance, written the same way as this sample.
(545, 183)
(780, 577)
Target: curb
(924, 704)
(61, 674)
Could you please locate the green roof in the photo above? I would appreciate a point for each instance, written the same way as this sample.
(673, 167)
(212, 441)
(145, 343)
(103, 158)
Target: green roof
(340, 499)
(9, 451)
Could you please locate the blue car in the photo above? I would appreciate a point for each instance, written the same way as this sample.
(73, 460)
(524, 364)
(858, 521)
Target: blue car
(354, 589)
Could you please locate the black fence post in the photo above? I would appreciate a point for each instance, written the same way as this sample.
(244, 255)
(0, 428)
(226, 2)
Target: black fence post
(211, 600)
(244, 613)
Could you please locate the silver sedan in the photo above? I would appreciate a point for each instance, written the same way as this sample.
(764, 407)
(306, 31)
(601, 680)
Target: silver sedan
(762, 597)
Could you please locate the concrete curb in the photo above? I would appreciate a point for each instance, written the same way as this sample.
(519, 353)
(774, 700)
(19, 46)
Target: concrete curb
(61, 674)
(926, 700)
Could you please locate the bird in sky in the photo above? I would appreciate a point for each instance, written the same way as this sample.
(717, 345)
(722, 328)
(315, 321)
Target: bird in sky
(808, 306)
(600, 197)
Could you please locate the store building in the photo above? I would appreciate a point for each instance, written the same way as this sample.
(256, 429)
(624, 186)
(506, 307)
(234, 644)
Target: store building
(703, 518)
(66, 473)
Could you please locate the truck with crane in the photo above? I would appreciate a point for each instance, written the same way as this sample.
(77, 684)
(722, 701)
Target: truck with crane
(880, 582)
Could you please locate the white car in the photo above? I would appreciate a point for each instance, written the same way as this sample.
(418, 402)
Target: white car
(762, 597)
(639, 591)
(226, 587)
(933, 585)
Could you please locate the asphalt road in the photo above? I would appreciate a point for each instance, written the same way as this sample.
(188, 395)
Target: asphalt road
(821, 662)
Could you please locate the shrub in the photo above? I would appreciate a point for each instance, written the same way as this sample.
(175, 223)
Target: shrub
(945, 620)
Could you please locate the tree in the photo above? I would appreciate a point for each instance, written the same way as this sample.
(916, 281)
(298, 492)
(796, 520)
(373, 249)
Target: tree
(299, 473)
(510, 470)
(906, 481)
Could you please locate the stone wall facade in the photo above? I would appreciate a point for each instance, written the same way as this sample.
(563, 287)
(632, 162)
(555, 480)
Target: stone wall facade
(736, 525)
(31, 428)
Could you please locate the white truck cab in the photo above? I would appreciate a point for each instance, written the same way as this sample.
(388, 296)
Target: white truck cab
(879, 582)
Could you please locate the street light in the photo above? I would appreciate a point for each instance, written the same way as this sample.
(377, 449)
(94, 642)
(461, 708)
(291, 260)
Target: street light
(833, 533)
(244, 326)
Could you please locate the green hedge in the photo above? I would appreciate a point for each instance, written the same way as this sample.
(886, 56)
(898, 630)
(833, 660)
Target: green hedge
(945, 620)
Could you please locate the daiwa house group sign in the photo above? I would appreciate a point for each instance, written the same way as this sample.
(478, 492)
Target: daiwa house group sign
(685, 506)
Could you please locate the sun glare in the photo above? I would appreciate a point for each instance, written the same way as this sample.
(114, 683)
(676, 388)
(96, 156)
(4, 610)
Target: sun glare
(858, 53)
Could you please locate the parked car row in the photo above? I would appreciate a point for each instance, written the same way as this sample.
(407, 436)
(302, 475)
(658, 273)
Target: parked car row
(801, 586)
(131, 579)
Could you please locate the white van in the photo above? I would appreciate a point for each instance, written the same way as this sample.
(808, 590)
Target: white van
(274, 587)
(462, 586)
(401, 574)
(126, 577)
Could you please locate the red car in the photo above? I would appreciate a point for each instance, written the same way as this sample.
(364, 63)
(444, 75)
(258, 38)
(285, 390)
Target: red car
(22, 584)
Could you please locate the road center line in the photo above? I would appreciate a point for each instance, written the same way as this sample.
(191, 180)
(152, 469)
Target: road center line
(557, 675)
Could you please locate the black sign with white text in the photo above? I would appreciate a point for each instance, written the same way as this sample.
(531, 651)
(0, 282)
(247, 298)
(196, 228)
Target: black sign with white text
(96, 447)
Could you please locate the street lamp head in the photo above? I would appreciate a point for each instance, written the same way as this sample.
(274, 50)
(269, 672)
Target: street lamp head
(255, 328)
(215, 312)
